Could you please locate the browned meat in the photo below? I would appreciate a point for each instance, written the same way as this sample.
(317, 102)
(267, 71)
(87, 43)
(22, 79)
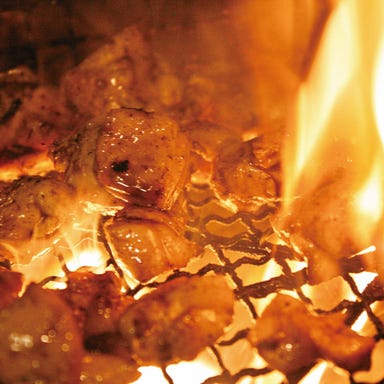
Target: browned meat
(40, 340)
(142, 158)
(323, 225)
(116, 75)
(96, 301)
(146, 243)
(10, 286)
(238, 177)
(177, 320)
(41, 119)
(34, 207)
(289, 338)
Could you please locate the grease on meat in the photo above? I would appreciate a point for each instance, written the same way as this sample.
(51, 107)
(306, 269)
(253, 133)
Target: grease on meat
(142, 158)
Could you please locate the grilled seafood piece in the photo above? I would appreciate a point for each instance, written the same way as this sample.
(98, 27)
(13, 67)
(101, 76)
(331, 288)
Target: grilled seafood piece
(289, 338)
(177, 320)
(147, 243)
(142, 158)
(40, 340)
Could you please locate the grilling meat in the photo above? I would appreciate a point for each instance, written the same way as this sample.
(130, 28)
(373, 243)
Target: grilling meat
(238, 176)
(142, 158)
(96, 301)
(40, 341)
(116, 75)
(325, 225)
(34, 207)
(177, 320)
(147, 243)
(289, 338)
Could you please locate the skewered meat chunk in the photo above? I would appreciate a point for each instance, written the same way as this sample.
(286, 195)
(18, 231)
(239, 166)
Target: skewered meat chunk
(142, 158)
(237, 176)
(40, 340)
(34, 207)
(177, 320)
(147, 243)
(107, 369)
(10, 285)
(289, 338)
(96, 301)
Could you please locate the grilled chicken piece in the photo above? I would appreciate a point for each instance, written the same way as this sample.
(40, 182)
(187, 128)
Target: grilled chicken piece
(96, 301)
(142, 158)
(40, 340)
(33, 211)
(107, 369)
(289, 338)
(177, 320)
(40, 120)
(10, 286)
(34, 207)
(116, 75)
(238, 177)
(147, 243)
(325, 225)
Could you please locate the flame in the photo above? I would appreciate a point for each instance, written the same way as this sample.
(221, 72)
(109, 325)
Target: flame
(338, 120)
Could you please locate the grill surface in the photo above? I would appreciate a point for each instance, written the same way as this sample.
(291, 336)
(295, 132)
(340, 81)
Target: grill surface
(235, 243)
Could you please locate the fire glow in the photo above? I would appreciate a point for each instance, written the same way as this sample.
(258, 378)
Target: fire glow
(336, 139)
(338, 123)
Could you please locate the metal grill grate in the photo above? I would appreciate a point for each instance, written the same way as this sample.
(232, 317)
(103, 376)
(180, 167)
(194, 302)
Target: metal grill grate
(244, 243)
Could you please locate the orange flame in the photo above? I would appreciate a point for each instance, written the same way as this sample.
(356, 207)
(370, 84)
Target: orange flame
(338, 123)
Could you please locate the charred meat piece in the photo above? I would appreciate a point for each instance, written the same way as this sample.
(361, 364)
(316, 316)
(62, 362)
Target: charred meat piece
(10, 286)
(147, 243)
(142, 158)
(238, 176)
(96, 301)
(289, 338)
(177, 320)
(40, 340)
(107, 369)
